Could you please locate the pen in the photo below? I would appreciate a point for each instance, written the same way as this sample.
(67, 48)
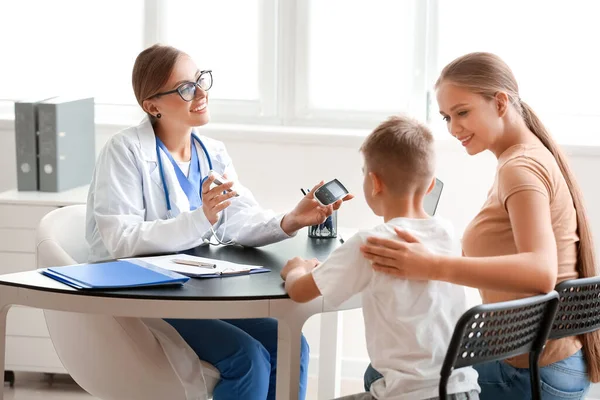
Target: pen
(303, 192)
(193, 263)
(239, 272)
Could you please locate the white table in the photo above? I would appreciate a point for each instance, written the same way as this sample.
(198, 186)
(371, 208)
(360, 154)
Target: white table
(35, 290)
(30, 347)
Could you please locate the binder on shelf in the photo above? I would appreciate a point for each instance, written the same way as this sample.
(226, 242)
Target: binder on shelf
(114, 275)
(66, 142)
(26, 143)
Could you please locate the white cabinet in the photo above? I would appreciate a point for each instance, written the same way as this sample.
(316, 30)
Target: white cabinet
(28, 344)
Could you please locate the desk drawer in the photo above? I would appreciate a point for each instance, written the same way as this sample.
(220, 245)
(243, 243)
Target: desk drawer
(25, 321)
(31, 354)
(21, 216)
(17, 240)
(16, 262)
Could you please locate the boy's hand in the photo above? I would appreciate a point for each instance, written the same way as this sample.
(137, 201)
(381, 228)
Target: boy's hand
(298, 262)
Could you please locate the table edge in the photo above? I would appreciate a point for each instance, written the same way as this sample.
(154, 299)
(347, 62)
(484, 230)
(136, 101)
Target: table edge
(99, 294)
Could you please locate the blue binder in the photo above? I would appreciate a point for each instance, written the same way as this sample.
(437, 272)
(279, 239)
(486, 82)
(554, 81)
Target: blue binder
(114, 275)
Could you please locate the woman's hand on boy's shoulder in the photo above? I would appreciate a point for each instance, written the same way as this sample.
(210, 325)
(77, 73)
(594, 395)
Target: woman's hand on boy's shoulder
(404, 257)
(298, 262)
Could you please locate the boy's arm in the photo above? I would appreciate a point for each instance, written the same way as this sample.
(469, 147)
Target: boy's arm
(299, 281)
(342, 275)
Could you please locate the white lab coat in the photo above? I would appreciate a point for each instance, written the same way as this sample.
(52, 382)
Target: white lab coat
(126, 217)
(126, 214)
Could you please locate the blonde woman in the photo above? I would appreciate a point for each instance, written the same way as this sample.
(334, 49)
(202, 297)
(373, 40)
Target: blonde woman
(531, 233)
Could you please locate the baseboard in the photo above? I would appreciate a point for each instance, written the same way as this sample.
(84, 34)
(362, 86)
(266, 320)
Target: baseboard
(351, 368)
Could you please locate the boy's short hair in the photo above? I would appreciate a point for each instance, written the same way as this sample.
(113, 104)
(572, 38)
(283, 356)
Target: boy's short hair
(401, 152)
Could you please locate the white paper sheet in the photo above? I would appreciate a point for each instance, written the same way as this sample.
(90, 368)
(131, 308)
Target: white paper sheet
(222, 267)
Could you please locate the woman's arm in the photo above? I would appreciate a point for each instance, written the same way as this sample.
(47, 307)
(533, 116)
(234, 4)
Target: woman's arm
(310, 212)
(250, 225)
(245, 221)
(533, 270)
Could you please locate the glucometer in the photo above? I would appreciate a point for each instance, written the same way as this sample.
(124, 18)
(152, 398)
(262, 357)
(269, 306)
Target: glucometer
(330, 192)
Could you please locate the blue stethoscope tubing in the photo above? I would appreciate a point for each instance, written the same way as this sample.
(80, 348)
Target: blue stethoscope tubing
(162, 171)
(210, 167)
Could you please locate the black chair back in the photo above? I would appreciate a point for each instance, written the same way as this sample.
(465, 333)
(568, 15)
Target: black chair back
(579, 308)
(497, 331)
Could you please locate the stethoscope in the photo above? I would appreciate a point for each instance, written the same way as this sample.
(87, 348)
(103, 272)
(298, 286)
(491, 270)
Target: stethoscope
(166, 190)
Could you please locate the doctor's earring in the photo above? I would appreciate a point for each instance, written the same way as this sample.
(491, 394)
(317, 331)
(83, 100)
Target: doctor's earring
(158, 115)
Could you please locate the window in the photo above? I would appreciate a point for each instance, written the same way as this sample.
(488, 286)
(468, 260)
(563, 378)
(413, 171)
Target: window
(549, 45)
(222, 36)
(70, 47)
(361, 55)
(336, 63)
(358, 61)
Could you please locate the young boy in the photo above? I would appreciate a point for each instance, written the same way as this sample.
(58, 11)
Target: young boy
(408, 324)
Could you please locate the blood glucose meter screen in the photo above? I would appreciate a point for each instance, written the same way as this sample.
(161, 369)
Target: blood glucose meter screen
(336, 190)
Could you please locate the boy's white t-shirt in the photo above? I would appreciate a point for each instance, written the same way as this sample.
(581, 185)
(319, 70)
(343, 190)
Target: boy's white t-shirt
(408, 324)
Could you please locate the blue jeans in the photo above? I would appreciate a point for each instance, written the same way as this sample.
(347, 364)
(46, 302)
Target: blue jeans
(245, 353)
(566, 379)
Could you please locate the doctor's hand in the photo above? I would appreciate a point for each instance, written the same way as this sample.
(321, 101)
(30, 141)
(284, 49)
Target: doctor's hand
(309, 212)
(214, 200)
(298, 262)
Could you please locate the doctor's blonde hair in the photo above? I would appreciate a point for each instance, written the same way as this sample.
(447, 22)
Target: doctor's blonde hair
(152, 69)
(400, 151)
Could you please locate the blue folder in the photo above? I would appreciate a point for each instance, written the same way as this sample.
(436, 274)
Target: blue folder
(114, 275)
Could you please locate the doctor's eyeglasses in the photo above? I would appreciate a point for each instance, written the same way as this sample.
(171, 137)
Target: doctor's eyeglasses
(187, 91)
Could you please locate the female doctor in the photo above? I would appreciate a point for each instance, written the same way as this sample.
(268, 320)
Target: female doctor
(151, 194)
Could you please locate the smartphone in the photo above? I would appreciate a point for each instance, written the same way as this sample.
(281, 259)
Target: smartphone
(431, 201)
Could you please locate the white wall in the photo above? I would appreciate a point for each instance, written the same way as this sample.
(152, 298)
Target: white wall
(286, 161)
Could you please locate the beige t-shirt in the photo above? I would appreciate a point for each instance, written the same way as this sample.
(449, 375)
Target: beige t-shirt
(520, 168)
